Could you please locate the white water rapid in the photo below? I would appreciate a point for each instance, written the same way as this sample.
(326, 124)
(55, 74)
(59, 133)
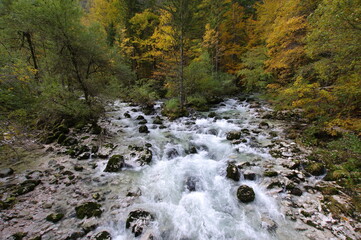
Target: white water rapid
(212, 210)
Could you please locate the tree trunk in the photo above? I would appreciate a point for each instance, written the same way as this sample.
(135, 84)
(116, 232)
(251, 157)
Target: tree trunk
(27, 35)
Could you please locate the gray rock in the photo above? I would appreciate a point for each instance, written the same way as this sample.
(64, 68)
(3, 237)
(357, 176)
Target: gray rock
(138, 220)
(6, 172)
(115, 164)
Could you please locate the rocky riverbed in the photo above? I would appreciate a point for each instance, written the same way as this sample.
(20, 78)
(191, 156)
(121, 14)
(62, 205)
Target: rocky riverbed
(232, 173)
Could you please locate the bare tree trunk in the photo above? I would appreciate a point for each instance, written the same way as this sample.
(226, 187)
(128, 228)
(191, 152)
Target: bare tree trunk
(27, 35)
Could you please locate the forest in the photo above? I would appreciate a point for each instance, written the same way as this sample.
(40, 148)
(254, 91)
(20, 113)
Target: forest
(65, 60)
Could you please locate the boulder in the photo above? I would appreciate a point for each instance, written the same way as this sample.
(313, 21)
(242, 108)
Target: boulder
(84, 156)
(6, 172)
(212, 114)
(232, 172)
(234, 135)
(191, 183)
(296, 191)
(143, 129)
(127, 115)
(249, 175)
(268, 224)
(115, 164)
(140, 117)
(94, 149)
(145, 157)
(172, 153)
(27, 186)
(316, 169)
(270, 174)
(138, 220)
(54, 217)
(104, 235)
(264, 125)
(158, 120)
(245, 194)
(88, 210)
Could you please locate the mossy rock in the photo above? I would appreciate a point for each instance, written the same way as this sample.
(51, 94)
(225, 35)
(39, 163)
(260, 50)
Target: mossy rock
(245, 194)
(270, 174)
(115, 164)
(62, 129)
(158, 120)
(232, 172)
(137, 220)
(104, 235)
(329, 190)
(19, 236)
(54, 217)
(234, 135)
(89, 209)
(212, 114)
(143, 129)
(146, 157)
(27, 186)
(316, 169)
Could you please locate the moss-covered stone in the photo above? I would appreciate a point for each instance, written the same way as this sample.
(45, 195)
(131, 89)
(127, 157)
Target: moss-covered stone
(232, 172)
(27, 186)
(270, 174)
(143, 129)
(19, 235)
(104, 235)
(115, 164)
(89, 209)
(137, 220)
(54, 217)
(70, 141)
(234, 135)
(245, 194)
(316, 169)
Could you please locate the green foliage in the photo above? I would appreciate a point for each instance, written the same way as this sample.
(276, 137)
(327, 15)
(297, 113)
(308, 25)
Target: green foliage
(145, 92)
(253, 76)
(173, 110)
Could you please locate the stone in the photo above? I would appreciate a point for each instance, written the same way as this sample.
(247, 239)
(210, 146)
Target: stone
(143, 129)
(268, 224)
(157, 120)
(212, 114)
(264, 125)
(138, 220)
(145, 157)
(84, 156)
(296, 191)
(234, 135)
(115, 164)
(27, 186)
(316, 169)
(18, 236)
(191, 183)
(245, 194)
(104, 235)
(54, 217)
(270, 174)
(127, 115)
(88, 210)
(232, 172)
(78, 168)
(6, 172)
(172, 153)
(249, 175)
(96, 129)
(94, 149)
(140, 117)
(143, 122)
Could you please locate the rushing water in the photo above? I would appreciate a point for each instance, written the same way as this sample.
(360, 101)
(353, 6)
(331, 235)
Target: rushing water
(212, 211)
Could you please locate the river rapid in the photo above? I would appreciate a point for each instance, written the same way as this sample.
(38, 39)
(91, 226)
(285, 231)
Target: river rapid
(184, 187)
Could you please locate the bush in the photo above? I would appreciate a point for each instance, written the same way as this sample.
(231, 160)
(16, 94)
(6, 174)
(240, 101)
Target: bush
(172, 109)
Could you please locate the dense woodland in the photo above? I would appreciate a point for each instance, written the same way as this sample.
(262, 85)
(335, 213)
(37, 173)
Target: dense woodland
(63, 59)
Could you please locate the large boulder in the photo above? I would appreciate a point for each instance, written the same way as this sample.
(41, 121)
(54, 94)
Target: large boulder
(6, 172)
(232, 172)
(316, 169)
(145, 157)
(115, 164)
(234, 135)
(138, 220)
(88, 209)
(245, 194)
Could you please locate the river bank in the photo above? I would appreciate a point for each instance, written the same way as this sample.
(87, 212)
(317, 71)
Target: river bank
(184, 187)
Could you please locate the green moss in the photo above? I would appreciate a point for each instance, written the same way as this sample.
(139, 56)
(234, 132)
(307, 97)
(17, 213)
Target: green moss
(89, 209)
(54, 217)
(270, 174)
